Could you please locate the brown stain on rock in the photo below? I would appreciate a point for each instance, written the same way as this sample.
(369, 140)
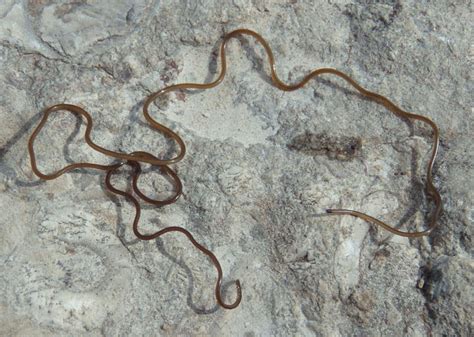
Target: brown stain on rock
(343, 148)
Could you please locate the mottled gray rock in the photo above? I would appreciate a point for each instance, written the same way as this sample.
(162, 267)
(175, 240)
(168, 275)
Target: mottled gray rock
(261, 168)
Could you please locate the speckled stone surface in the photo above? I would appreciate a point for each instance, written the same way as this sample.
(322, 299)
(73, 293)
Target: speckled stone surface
(261, 168)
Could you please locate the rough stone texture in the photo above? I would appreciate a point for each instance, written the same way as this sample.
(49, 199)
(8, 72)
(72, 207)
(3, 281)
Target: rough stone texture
(261, 167)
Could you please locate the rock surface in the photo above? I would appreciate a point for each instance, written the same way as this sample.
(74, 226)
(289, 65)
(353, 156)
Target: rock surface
(261, 168)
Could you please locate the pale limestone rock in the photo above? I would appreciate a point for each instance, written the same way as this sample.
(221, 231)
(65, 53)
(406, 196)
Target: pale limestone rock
(262, 166)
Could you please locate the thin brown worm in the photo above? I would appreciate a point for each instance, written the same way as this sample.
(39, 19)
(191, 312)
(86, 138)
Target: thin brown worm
(430, 188)
(133, 159)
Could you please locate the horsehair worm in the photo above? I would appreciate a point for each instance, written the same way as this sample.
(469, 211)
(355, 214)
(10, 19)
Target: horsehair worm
(135, 158)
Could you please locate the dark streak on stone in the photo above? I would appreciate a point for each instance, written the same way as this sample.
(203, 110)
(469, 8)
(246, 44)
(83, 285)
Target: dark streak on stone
(343, 148)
